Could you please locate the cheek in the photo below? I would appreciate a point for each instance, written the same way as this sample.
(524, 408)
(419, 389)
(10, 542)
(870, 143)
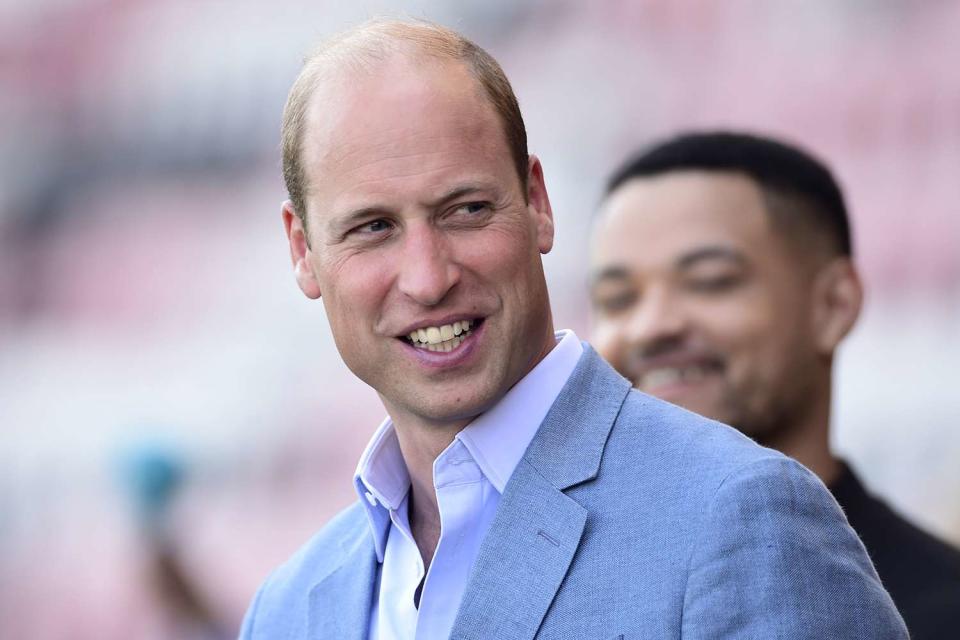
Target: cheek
(352, 291)
(503, 257)
(498, 243)
(758, 345)
(740, 322)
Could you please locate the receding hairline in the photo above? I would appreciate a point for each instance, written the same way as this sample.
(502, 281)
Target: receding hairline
(357, 50)
(364, 49)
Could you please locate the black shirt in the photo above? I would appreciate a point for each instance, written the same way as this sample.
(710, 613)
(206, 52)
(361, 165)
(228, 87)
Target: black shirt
(921, 573)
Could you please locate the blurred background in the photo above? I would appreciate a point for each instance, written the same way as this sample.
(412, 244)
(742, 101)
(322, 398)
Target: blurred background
(174, 417)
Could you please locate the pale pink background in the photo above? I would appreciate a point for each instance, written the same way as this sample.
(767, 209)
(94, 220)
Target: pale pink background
(145, 294)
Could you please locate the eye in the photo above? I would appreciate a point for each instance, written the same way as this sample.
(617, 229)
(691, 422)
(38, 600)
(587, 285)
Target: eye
(714, 284)
(614, 302)
(472, 209)
(372, 227)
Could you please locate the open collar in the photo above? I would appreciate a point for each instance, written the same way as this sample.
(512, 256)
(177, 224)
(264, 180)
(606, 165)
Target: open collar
(496, 440)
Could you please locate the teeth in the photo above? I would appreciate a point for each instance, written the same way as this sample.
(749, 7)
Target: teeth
(672, 375)
(443, 338)
(661, 377)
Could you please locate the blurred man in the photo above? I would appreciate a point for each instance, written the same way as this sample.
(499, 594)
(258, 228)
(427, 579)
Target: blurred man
(518, 488)
(722, 281)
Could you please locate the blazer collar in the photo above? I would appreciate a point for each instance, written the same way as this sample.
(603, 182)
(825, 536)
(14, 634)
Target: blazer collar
(537, 529)
(569, 445)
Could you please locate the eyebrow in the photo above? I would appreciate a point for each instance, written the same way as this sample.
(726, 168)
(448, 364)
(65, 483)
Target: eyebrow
(715, 252)
(340, 224)
(459, 192)
(613, 272)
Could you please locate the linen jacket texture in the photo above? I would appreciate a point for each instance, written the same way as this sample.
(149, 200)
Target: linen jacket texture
(627, 517)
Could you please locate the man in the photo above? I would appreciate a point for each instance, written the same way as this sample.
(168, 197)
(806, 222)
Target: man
(518, 489)
(723, 282)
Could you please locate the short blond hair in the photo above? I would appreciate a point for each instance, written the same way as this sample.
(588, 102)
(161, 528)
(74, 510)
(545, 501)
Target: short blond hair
(373, 41)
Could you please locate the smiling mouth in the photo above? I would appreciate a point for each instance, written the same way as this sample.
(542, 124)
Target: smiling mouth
(667, 376)
(443, 338)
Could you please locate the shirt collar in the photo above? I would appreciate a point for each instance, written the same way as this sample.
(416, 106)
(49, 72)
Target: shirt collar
(381, 481)
(496, 440)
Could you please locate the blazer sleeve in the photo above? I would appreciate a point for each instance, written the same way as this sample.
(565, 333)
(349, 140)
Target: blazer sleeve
(775, 558)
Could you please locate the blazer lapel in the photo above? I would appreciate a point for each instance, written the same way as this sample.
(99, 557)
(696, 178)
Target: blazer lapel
(513, 583)
(535, 534)
(340, 603)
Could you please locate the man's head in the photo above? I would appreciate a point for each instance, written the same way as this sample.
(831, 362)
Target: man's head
(414, 222)
(722, 279)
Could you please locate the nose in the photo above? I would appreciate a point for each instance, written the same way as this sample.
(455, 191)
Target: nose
(657, 320)
(428, 270)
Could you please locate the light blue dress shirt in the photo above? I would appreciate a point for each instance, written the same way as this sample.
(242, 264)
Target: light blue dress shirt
(469, 476)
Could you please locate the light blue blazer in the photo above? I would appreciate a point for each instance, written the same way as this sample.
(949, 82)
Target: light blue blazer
(626, 518)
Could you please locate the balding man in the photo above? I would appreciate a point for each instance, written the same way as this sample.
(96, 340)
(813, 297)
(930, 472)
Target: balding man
(518, 488)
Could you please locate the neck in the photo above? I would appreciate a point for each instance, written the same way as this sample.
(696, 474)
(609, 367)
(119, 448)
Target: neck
(421, 442)
(812, 450)
(808, 441)
(420, 445)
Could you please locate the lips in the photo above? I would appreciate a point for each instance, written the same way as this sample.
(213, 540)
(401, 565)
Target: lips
(444, 337)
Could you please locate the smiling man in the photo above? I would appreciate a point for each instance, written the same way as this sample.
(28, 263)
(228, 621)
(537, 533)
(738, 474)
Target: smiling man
(723, 281)
(518, 488)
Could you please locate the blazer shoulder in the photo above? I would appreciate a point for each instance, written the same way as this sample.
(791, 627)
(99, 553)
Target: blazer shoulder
(678, 439)
(771, 522)
(322, 554)
(281, 598)
(682, 463)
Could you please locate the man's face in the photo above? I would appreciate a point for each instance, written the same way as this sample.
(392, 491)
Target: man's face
(422, 243)
(698, 300)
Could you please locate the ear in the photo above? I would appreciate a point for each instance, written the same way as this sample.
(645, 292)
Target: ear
(300, 252)
(539, 205)
(837, 299)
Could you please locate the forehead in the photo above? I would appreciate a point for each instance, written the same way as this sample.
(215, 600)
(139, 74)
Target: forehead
(654, 221)
(399, 125)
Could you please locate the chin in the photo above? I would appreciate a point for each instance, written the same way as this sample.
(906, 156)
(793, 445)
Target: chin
(458, 412)
(448, 412)
(473, 407)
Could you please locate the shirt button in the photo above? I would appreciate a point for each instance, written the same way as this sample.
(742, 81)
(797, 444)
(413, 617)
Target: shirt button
(371, 499)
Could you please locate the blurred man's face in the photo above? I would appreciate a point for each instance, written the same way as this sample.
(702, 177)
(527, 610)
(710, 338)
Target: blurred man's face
(422, 244)
(698, 300)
